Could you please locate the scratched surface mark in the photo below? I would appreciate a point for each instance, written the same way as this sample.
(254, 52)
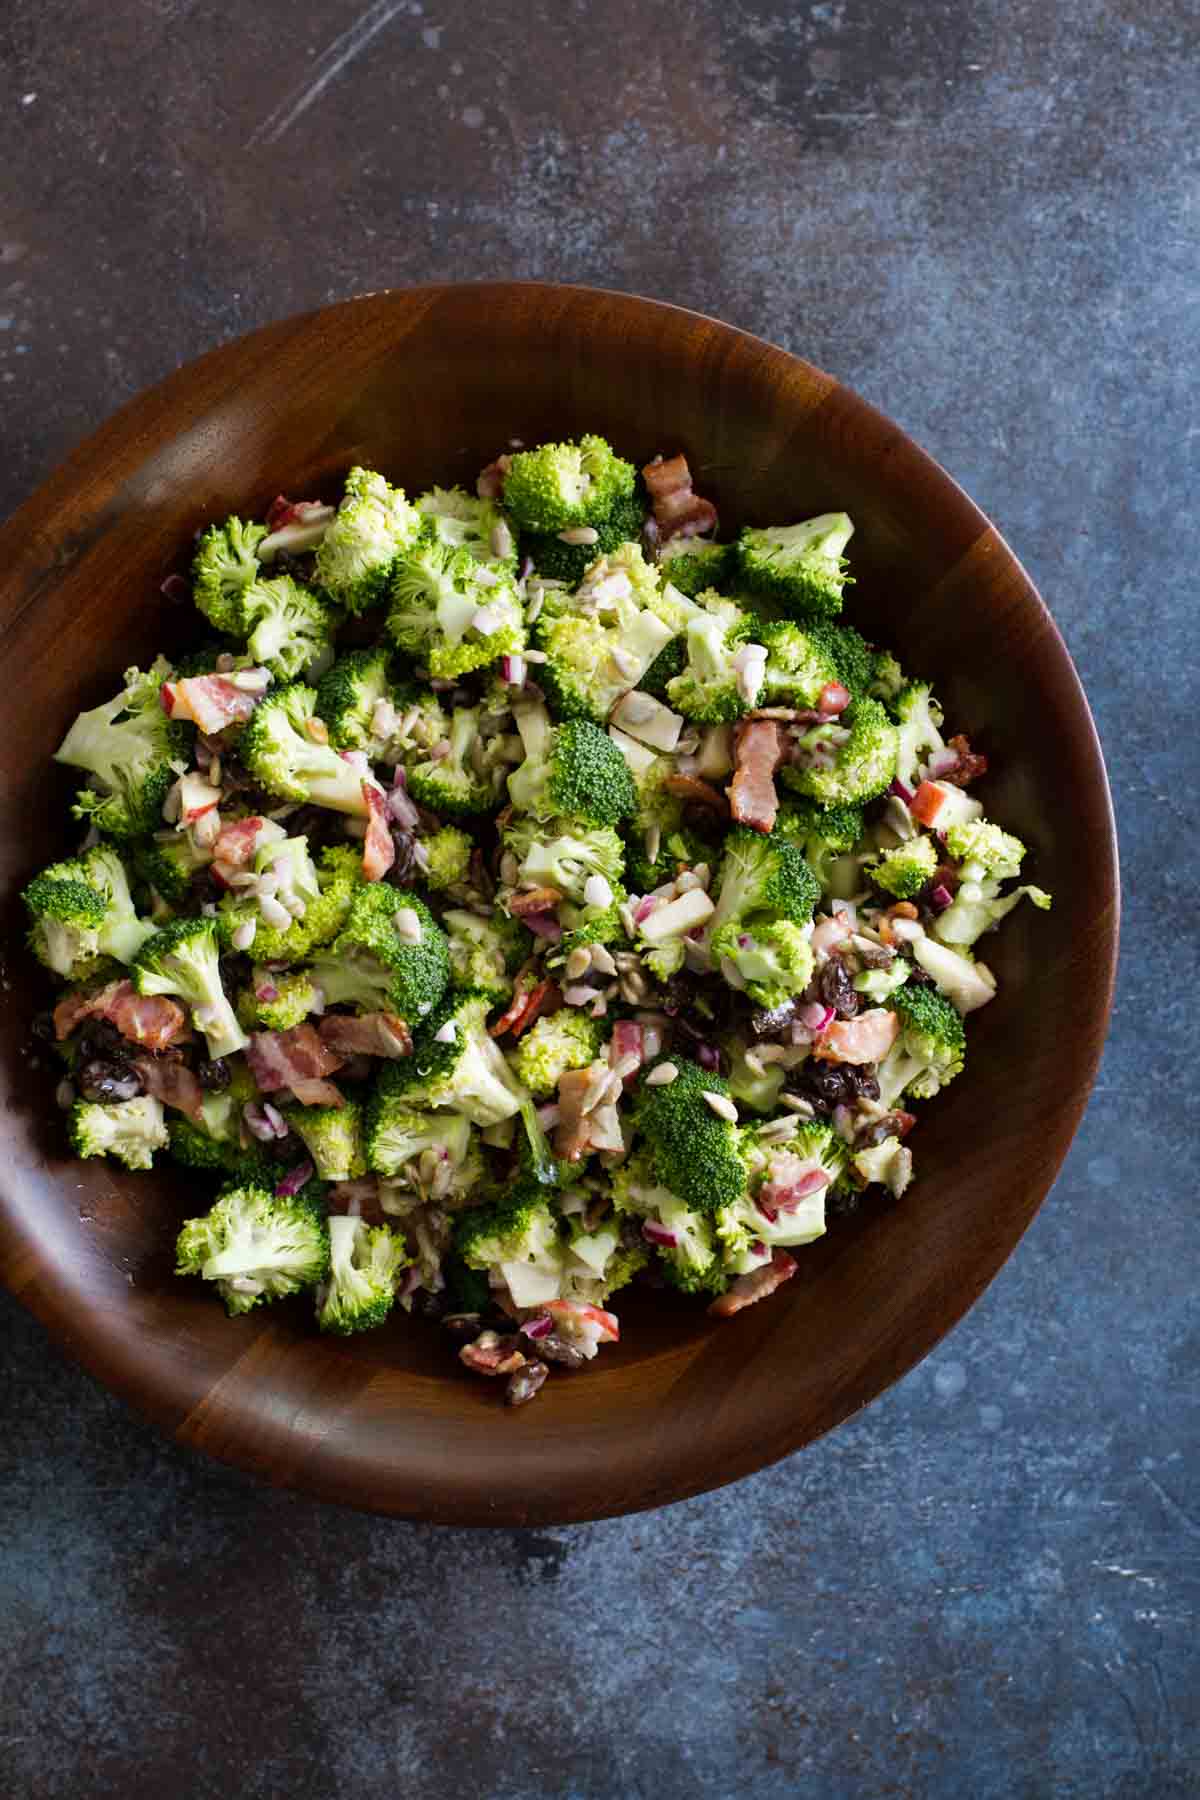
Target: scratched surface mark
(988, 1584)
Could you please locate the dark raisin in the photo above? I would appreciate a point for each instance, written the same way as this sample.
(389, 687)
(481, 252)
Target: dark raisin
(777, 1021)
(557, 1349)
(836, 988)
(405, 870)
(524, 1383)
(919, 978)
(463, 1325)
(106, 1082)
(841, 1202)
(214, 1074)
(43, 1027)
(204, 888)
(428, 1306)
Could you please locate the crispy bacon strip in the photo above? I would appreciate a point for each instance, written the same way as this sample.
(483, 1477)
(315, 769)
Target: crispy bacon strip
(210, 701)
(151, 1020)
(677, 510)
(536, 900)
(755, 1286)
(970, 765)
(370, 1034)
(280, 1059)
(237, 842)
(172, 1082)
(866, 1039)
(531, 998)
(758, 752)
(699, 793)
(379, 850)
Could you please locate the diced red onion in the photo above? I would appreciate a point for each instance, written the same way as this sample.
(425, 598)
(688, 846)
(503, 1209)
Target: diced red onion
(294, 1180)
(175, 588)
(709, 1057)
(642, 910)
(357, 760)
(815, 1016)
(654, 1233)
(540, 1327)
(941, 763)
(940, 897)
(257, 1124)
(758, 1248)
(513, 670)
(543, 925)
(275, 1119)
(267, 992)
(770, 1213)
(901, 792)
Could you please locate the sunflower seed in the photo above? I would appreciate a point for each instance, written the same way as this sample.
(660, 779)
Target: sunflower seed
(408, 925)
(243, 937)
(317, 730)
(794, 1103)
(626, 1066)
(602, 961)
(662, 1075)
(537, 600)
(653, 842)
(633, 988)
(578, 963)
(579, 534)
(535, 656)
(723, 1107)
(777, 1130)
(580, 993)
(501, 542)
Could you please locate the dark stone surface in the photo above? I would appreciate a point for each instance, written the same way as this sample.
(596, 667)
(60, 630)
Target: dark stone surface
(983, 217)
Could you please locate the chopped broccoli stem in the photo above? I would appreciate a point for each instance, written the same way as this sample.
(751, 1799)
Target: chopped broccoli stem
(255, 1246)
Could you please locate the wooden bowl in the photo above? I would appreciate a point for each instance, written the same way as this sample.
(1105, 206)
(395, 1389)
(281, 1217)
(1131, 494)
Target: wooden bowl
(429, 384)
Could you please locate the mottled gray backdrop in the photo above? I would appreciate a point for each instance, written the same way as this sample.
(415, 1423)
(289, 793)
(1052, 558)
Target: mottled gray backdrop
(984, 217)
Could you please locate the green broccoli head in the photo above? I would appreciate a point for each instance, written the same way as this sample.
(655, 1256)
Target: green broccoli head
(167, 862)
(906, 869)
(986, 850)
(455, 780)
(348, 695)
(692, 564)
(695, 1151)
(711, 690)
(798, 665)
(558, 486)
(887, 678)
(456, 1064)
(670, 662)
(753, 1083)
(128, 746)
(675, 850)
(567, 854)
(390, 956)
(365, 1263)
(256, 1246)
(129, 1130)
(333, 1137)
(463, 521)
(182, 960)
(824, 834)
(849, 762)
(518, 1238)
(289, 626)
(580, 773)
(225, 565)
(568, 562)
(599, 642)
(276, 1000)
(919, 718)
(339, 877)
(854, 662)
(800, 567)
(293, 761)
(772, 961)
(411, 1144)
(930, 1050)
(682, 1234)
(449, 852)
(979, 906)
(567, 1040)
(82, 909)
(485, 954)
(374, 525)
(452, 613)
(762, 878)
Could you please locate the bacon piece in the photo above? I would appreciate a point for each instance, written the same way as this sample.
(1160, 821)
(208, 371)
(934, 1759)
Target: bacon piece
(793, 1180)
(587, 1327)
(283, 511)
(317, 1093)
(700, 793)
(489, 483)
(172, 1082)
(828, 933)
(531, 998)
(574, 1126)
(866, 1039)
(758, 752)
(677, 510)
(544, 925)
(499, 1356)
(755, 1286)
(371, 1034)
(237, 842)
(536, 900)
(210, 701)
(628, 1039)
(970, 765)
(151, 1020)
(280, 1059)
(360, 1199)
(379, 850)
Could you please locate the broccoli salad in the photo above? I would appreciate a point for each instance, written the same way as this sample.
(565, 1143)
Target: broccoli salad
(518, 895)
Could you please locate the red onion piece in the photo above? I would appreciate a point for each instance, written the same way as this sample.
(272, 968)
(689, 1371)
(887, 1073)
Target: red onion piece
(275, 1119)
(815, 1016)
(901, 792)
(257, 1124)
(654, 1233)
(940, 897)
(175, 587)
(294, 1180)
(540, 1327)
(709, 1057)
(543, 925)
(643, 909)
(267, 992)
(941, 763)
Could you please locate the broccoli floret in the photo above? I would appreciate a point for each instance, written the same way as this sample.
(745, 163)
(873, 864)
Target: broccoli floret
(772, 961)
(695, 1152)
(255, 1246)
(560, 485)
(398, 1136)
(454, 783)
(762, 878)
(788, 1209)
(579, 772)
(364, 1267)
(889, 1163)
(294, 996)
(967, 984)
(979, 906)
(880, 984)
(373, 526)
(854, 662)
(347, 696)
(465, 522)
(584, 926)
(825, 834)
(800, 567)
(798, 666)
(452, 613)
(599, 642)
(182, 960)
(339, 875)
(752, 1082)
(456, 1064)
(82, 909)
(567, 1040)
(390, 956)
(692, 1262)
(225, 565)
(449, 852)
(848, 762)
(128, 746)
(597, 1262)
(709, 690)
(670, 662)
(277, 748)
(195, 1148)
(485, 953)
(907, 868)
(289, 625)
(677, 850)
(518, 1238)
(558, 561)
(918, 717)
(692, 564)
(167, 863)
(887, 678)
(333, 1137)
(129, 1130)
(930, 1050)
(984, 849)
(566, 854)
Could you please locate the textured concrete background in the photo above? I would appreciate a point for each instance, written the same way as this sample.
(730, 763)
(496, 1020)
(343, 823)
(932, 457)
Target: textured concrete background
(983, 216)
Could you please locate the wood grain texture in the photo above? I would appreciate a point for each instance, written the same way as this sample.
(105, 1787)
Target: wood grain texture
(429, 384)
